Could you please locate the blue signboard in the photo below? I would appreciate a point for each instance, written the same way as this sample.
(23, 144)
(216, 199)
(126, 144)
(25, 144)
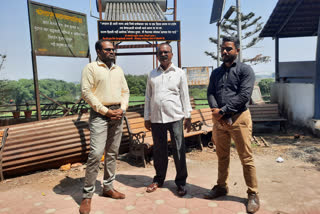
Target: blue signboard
(139, 30)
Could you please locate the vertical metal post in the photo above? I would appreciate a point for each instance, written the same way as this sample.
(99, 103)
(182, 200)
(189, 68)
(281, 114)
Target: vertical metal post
(89, 57)
(100, 9)
(36, 83)
(277, 59)
(239, 30)
(218, 44)
(153, 56)
(178, 43)
(157, 64)
(317, 79)
(35, 71)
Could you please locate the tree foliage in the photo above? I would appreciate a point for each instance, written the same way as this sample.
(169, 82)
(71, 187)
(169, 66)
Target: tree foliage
(250, 26)
(265, 86)
(137, 84)
(22, 91)
(199, 92)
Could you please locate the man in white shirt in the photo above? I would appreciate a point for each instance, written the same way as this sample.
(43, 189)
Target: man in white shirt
(167, 108)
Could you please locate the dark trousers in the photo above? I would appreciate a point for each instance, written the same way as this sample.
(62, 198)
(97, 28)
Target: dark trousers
(160, 151)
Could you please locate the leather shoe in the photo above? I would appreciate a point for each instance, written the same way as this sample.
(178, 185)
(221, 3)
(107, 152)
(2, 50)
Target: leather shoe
(85, 206)
(216, 192)
(253, 203)
(181, 191)
(153, 187)
(112, 193)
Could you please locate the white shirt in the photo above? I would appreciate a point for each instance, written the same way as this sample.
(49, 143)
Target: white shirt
(167, 96)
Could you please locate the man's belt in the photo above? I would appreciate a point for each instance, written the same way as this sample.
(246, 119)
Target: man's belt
(114, 106)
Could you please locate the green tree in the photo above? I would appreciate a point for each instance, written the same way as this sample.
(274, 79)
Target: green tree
(20, 91)
(137, 84)
(250, 26)
(199, 92)
(265, 86)
(4, 90)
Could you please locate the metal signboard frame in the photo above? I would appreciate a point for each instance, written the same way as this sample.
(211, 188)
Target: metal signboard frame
(57, 31)
(198, 75)
(139, 30)
(217, 9)
(50, 37)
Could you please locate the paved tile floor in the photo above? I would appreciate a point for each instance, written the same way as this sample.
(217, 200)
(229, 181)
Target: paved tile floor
(65, 197)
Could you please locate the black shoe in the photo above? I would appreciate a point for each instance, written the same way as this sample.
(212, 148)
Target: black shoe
(253, 203)
(181, 191)
(216, 192)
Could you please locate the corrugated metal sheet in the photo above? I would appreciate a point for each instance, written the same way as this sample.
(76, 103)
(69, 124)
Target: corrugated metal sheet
(161, 3)
(50, 143)
(134, 12)
(293, 18)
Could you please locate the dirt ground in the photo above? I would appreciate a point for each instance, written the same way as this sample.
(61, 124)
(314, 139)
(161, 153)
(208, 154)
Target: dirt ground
(281, 185)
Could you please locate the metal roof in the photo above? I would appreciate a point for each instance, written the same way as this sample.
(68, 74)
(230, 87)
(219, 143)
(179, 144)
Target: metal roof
(293, 18)
(134, 12)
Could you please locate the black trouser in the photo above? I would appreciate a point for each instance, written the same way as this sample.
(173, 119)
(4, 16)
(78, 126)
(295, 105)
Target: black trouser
(160, 151)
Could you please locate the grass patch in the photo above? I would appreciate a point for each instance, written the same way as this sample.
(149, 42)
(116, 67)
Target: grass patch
(136, 98)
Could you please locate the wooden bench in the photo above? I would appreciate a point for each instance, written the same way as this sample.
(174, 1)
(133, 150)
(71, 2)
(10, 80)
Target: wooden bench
(267, 113)
(141, 139)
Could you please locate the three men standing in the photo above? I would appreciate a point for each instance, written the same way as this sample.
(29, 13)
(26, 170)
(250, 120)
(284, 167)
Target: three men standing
(104, 87)
(167, 108)
(229, 94)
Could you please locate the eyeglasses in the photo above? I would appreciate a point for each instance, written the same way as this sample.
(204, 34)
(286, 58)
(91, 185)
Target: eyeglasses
(164, 52)
(228, 49)
(109, 49)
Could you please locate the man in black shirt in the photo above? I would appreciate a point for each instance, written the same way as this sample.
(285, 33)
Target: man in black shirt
(229, 93)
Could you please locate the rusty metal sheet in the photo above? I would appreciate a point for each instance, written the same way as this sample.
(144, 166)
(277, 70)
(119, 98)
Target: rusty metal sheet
(50, 143)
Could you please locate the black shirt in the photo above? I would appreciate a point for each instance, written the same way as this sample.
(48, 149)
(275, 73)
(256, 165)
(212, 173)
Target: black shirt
(230, 89)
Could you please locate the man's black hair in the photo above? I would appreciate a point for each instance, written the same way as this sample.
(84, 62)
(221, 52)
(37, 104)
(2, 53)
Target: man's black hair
(233, 39)
(98, 45)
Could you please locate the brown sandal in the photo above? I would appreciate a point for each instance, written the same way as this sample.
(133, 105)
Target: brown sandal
(152, 187)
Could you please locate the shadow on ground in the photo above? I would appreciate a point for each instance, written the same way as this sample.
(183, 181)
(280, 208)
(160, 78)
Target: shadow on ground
(73, 187)
(194, 191)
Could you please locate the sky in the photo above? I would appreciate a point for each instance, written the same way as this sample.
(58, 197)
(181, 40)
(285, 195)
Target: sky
(195, 33)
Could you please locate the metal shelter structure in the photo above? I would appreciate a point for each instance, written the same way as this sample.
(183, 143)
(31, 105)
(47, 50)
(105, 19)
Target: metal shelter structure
(136, 10)
(296, 18)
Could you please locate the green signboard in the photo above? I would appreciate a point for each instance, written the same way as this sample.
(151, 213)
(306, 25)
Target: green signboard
(58, 32)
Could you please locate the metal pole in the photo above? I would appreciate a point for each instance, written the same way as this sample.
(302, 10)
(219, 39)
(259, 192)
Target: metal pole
(157, 64)
(178, 43)
(239, 30)
(36, 84)
(218, 44)
(153, 60)
(35, 71)
(100, 9)
(277, 59)
(317, 79)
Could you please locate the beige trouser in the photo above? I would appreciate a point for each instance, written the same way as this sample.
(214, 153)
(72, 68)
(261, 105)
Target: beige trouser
(105, 136)
(240, 131)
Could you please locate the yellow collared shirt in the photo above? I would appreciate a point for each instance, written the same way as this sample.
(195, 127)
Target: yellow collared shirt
(102, 86)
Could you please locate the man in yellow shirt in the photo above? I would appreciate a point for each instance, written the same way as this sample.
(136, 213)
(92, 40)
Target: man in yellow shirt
(105, 89)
